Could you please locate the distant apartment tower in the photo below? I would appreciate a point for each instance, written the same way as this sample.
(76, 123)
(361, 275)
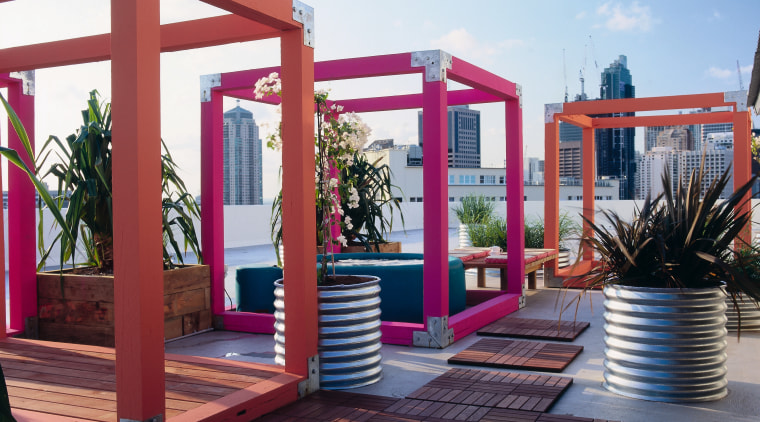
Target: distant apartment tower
(242, 159)
(571, 160)
(463, 134)
(533, 171)
(694, 132)
(615, 148)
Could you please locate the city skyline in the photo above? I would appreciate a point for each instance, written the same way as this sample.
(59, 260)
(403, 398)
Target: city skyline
(676, 47)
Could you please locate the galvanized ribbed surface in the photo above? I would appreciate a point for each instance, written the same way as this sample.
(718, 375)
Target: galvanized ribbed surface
(464, 236)
(665, 344)
(349, 333)
(749, 312)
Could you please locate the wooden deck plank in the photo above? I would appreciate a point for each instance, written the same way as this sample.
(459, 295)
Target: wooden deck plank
(540, 329)
(518, 354)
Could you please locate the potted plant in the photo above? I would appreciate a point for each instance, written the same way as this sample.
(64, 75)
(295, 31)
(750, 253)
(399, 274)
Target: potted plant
(473, 210)
(349, 305)
(663, 276)
(76, 304)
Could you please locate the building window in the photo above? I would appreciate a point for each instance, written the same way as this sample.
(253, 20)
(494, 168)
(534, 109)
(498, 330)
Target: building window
(569, 198)
(451, 199)
(451, 179)
(504, 199)
(501, 180)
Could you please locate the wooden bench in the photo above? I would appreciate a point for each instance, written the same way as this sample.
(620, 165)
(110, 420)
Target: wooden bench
(481, 259)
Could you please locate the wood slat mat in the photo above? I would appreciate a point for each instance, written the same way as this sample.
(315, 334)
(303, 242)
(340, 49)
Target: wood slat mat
(518, 354)
(340, 406)
(542, 329)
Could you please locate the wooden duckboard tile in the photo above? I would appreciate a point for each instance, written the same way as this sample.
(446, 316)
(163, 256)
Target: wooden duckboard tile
(541, 329)
(518, 354)
(504, 390)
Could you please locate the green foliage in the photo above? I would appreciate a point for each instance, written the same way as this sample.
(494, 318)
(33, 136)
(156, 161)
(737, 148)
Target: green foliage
(491, 233)
(83, 172)
(474, 210)
(534, 233)
(681, 240)
(367, 223)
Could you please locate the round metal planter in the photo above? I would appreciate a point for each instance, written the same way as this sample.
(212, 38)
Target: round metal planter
(349, 333)
(665, 345)
(750, 314)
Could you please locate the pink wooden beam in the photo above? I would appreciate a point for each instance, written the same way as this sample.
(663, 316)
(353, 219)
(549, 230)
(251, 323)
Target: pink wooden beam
(22, 232)
(478, 316)
(475, 77)
(138, 266)
(174, 37)
(212, 197)
(435, 205)
(515, 198)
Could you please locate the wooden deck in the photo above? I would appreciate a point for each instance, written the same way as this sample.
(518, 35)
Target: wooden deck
(59, 381)
(518, 354)
(543, 329)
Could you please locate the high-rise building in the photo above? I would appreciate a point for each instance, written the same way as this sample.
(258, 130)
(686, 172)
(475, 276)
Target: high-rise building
(571, 160)
(615, 153)
(242, 158)
(464, 136)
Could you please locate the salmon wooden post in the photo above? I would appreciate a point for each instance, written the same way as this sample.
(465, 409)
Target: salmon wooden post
(298, 212)
(21, 221)
(212, 187)
(551, 185)
(515, 197)
(435, 275)
(742, 162)
(589, 181)
(138, 266)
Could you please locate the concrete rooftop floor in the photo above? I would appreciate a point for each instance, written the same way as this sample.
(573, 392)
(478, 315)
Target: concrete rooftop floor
(405, 369)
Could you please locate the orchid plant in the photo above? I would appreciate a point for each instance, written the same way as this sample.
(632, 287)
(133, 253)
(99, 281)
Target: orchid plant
(339, 136)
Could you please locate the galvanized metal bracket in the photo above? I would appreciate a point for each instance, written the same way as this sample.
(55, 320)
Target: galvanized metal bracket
(438, 335)
(27, 80)
(550, 110)
(157, 418)
(521, 301)
(311, 383)
(207, 83)
(518, 92)
(738, 97)
(435, 62)
(304, 14)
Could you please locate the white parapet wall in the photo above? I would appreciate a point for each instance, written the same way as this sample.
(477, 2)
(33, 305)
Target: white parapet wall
(249, 225)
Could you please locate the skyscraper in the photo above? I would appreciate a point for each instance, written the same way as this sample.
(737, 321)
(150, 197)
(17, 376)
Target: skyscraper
(242, 158)
(464, 136)
(615, 154)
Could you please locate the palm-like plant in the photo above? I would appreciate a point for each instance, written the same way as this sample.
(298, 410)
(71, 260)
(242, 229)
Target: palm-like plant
(474, 210)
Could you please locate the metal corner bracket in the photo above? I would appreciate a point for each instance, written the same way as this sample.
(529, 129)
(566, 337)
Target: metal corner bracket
(435, 62)
(550, 110)
(738, 97)
(207, 82)
(311, 383)
(304, 14)
(518, 92)
(437, 336)
(521, 301)
(27, 80)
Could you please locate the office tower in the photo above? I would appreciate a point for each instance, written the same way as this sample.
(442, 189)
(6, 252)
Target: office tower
(652, 132)
(571, 160)
(242, 158)
(463, 134)
(615, 154)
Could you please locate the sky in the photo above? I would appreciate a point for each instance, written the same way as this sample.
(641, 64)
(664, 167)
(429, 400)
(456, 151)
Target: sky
(673, 47)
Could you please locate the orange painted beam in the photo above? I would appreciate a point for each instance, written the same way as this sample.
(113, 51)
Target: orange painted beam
(743, 165)
(138, 267)
(675, 102)
(663, 120)
(174, 37)
(589, 179)
(298, 212)
(551, 188)
(579, 120)
(276, 14)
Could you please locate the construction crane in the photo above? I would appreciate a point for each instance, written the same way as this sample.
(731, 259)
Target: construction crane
(564, 72)
(739, 71)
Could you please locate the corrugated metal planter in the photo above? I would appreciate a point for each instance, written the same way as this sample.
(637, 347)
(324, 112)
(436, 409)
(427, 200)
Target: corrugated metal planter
(464, 236)
(750, 315)
(665, 344)
(349, 333)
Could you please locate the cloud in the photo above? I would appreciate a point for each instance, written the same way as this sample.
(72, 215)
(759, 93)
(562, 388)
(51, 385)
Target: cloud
(620, 18)
(719, 73)
(461, 43)
(580, 15)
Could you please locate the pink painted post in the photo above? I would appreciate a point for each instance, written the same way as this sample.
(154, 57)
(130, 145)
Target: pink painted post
(515, 198)
(435, 194)
(3, 309)
(22, 231)
(212, 188)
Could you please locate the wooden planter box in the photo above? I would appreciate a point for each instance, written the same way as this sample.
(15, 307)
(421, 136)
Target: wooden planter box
(85, 312)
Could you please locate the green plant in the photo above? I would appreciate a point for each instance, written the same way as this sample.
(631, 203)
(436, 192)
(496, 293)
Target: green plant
(367, 223)
(534, 231)
(474, 209)
(83, 172)
(493, 232)
(681, 240)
